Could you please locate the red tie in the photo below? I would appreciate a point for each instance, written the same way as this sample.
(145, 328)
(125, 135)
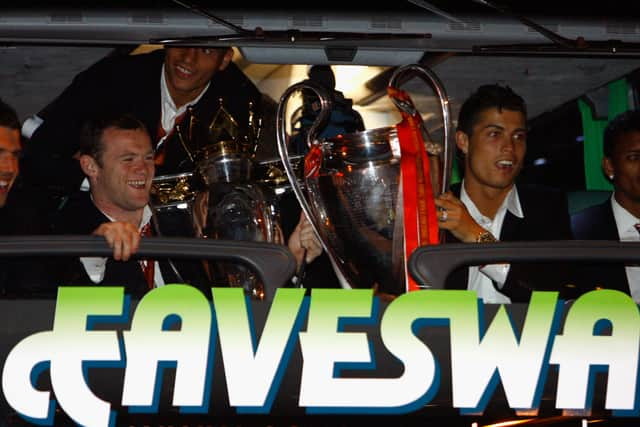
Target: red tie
(160, 152)
(637, 226)
(147, 264)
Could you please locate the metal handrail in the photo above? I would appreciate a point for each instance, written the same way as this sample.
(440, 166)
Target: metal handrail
(272, 262)
(432, 264)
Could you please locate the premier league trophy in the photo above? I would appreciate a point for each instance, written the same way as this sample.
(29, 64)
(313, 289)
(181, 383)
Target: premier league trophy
(222, 200)
(370, 195)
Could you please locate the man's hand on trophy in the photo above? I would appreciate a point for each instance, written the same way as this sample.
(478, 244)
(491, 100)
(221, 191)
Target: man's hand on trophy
(454, 216)
(303, 242)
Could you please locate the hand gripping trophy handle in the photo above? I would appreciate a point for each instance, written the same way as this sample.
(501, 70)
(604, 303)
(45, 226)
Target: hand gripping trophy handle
(369, 195)
(283, 149)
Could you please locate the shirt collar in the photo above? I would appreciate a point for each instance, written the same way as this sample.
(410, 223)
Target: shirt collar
(511, 203)
(146, 214)
(625, 221)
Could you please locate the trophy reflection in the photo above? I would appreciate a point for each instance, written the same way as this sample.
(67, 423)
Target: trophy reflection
(370, 195)
(222, 200)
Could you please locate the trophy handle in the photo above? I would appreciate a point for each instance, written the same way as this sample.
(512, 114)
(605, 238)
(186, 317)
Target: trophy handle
(321, 119)
(312, 140)
(403, 74)
(281, 137)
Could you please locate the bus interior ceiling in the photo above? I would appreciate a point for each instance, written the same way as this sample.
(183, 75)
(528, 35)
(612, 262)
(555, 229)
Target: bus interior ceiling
(43, 48)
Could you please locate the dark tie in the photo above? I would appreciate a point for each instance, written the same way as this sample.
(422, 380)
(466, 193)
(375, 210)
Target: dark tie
(147, 264)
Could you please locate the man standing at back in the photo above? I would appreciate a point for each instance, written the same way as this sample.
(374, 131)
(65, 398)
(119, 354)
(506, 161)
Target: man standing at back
(157, 88)
(488, 206)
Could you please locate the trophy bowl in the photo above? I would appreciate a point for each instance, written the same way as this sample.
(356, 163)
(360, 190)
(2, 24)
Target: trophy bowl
(370, 195)
(356, 194)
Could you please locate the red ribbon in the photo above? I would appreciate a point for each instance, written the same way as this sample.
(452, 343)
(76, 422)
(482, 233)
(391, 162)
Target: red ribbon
(419, 209)
(148, 264)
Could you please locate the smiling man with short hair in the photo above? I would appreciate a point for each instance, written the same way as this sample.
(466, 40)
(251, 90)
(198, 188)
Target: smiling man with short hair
(488, 206)
(117, 158)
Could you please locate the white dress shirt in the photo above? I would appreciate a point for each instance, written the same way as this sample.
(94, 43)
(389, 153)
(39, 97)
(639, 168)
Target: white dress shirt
(481, 278)
(626, 222)
(168, 110)
(96, 266)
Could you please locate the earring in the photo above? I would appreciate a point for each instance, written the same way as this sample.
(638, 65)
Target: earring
(611, 177)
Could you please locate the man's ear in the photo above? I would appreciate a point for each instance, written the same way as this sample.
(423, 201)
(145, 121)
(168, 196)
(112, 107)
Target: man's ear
(462, 141)
(88, 165)
(607, 167)
(226, 60)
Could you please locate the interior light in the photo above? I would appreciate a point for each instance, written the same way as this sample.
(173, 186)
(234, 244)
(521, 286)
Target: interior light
(350, 79)
(509, 423)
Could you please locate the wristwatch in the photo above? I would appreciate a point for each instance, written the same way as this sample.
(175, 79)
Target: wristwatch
(485, 237)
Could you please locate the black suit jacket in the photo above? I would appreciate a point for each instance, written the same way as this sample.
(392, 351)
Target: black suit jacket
(121, 83)
(546, 217)
(22, 277)
(598, 223)
(80, 216)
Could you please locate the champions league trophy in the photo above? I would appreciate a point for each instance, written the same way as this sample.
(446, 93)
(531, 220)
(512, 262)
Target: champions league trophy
(222, 201)
(370, 195)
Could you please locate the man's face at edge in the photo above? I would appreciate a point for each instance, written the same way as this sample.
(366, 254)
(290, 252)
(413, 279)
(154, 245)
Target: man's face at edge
(10, 148)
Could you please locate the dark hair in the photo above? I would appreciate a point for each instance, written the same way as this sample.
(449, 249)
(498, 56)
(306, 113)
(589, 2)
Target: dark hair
(93, 129)
(484, 98)
(8, 116)
(323, 74)
(623, 123)
(221, 49)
